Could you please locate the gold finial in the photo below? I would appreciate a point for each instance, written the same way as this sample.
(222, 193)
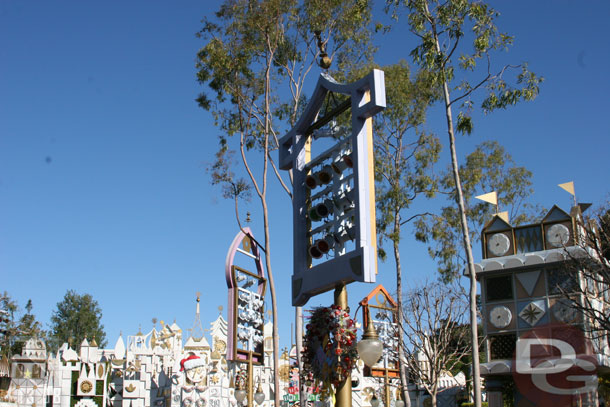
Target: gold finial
(248, 220)
(370, 332)
(325, 60)
(139, 330)
(260, 388)
(220, 309)
(198, 296)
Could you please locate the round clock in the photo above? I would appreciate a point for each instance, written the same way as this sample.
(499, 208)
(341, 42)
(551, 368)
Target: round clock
(498, 244)
(500, 316)
(86, 386)
(557, 235)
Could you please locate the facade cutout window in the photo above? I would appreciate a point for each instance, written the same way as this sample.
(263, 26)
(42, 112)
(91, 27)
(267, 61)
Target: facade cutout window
(20, 371)
(502, 346)
(36, 372)
(562, 281)
(499, 288)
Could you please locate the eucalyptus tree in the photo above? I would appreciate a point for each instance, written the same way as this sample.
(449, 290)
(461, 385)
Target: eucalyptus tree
(456, 40)
(256, 57)
(488, 168)
(404, 159)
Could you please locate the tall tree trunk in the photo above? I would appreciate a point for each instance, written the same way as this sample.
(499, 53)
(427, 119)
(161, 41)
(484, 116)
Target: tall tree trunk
(402, 366)
(476, 373)
(276, 336)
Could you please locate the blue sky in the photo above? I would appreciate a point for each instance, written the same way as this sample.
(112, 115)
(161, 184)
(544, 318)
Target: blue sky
(103, 152)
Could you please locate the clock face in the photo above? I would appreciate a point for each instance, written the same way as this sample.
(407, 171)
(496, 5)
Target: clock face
(558, 235)
(498, 244)
(500, 316)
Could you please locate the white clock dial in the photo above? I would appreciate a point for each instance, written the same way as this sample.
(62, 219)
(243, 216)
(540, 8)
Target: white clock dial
(498, 244)
(557, 235)
(500, 316)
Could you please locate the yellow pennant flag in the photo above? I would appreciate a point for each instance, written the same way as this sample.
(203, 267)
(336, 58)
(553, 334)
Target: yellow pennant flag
(491, 197)
(504, 216)
(568, 186)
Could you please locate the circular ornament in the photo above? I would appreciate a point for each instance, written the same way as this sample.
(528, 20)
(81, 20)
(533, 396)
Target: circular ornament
(500, 316)
(86, 386)
(498, 244)
(558, 235)
(220, 345)
(329, 346)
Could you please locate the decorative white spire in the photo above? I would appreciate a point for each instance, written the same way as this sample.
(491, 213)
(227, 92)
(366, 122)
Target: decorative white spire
(119, 348)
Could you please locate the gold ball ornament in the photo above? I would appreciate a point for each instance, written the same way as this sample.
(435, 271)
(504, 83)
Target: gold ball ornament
(325, 61)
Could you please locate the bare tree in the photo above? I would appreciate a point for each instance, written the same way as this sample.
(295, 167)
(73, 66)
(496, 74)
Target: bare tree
(435, 332)
(590, 259)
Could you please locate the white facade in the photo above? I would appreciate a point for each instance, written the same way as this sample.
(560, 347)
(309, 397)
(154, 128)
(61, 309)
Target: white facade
(145, 371)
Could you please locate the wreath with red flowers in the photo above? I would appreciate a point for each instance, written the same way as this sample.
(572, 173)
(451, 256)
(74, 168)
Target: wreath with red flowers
(240, 379)
(329, 346)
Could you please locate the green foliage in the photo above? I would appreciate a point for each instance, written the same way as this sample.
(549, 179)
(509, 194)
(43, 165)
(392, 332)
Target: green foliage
(221, 174)
(466, 28)
(256, 56)
(14, 333)
(483, 404)
(8, 326)
(77, 317)
(404, 154)
(488, 168)
(28, 327)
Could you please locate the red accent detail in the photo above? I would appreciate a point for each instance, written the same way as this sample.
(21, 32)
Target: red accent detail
(187, 359)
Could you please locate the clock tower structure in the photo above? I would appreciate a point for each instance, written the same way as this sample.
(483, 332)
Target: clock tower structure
(529, 286)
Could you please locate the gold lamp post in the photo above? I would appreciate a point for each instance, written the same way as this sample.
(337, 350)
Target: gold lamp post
(344, 390)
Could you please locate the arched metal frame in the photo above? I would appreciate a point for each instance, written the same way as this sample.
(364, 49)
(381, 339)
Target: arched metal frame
(366, 97)
(245, 305)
